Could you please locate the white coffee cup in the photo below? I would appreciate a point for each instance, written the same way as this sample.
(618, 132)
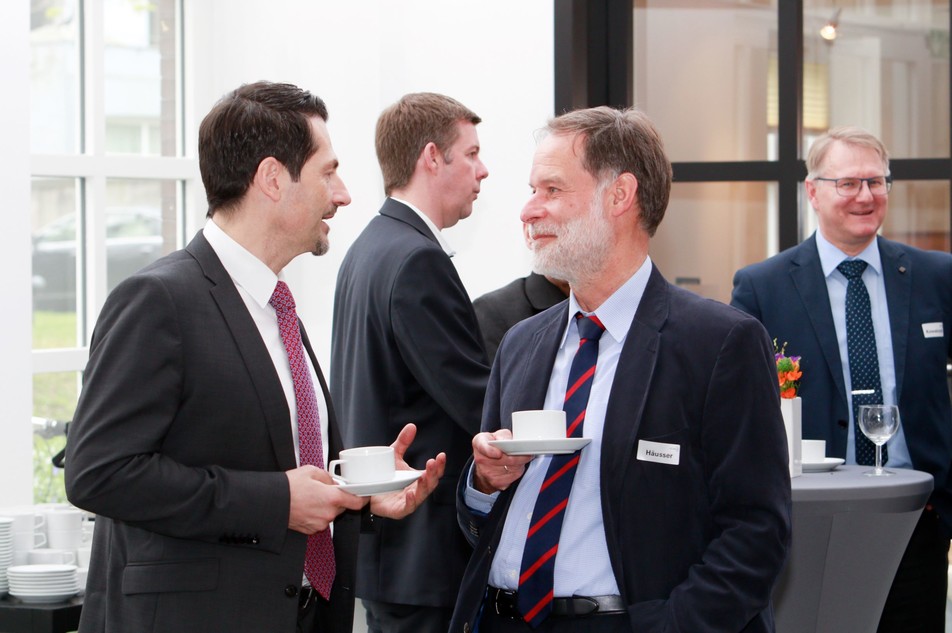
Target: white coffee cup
(63, 519)
(65, 539)
(25, 518)
(25, 540)
(813, 451)
(364, 464)
(538, 424)
(83, 556)
(51, 557)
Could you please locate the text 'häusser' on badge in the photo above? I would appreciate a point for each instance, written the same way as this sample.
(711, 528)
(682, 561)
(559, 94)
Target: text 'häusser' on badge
(659, 452)
(932, 330)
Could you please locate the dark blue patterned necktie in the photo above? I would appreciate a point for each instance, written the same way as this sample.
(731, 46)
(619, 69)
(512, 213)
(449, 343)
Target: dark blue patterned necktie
(536, 575)
(863, 358)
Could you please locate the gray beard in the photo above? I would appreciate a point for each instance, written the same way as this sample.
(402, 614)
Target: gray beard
(580, 251)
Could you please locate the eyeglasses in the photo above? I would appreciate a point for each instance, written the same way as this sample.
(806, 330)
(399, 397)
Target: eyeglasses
(850, 187)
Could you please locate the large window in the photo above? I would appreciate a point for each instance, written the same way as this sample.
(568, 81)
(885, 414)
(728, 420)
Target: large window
(740, 88)
(109, 179)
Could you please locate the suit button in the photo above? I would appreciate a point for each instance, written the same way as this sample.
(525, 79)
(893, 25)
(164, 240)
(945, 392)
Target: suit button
(290, 591)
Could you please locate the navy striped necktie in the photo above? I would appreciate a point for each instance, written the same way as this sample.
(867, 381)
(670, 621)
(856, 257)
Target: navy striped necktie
(536, 576)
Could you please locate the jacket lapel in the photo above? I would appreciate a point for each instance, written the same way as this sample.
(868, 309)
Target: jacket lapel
(807, 276)
(897, 276)
(247, 339)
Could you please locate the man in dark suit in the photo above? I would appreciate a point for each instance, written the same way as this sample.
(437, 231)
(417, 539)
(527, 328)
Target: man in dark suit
(800, 297)
(677, 515)
(197, 402)
(406, 348)
(500, 309)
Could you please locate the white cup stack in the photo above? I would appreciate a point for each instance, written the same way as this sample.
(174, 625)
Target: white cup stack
(6, 552)
(40, 548)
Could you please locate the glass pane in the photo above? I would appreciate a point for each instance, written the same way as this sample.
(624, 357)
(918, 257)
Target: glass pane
(141, 62)
(919, 214)
(57, 236)
(54, 402)
(140, 224)
(54, 77)
(701, 70)
(886, 70)
(712, 229)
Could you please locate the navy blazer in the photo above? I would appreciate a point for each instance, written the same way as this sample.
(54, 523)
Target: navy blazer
(696, 546)
(405, 349)
(788, 293)
(179, 444)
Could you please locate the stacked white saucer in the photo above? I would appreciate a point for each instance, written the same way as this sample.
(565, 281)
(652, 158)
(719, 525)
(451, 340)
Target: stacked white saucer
(43, 583)
(6, 551)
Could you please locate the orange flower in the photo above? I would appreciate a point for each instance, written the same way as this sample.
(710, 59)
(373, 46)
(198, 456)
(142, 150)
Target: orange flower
(789, 393)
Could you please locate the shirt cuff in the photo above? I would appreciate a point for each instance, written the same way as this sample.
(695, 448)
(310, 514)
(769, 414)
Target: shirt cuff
(475, 500)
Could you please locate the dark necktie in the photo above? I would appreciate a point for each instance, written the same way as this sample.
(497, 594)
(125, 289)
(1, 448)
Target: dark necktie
(863, 359)
(319, 565)
(534, 597)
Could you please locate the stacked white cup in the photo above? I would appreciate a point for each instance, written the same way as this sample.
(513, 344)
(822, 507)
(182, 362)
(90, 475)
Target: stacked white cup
(27, 531)
(6, 551)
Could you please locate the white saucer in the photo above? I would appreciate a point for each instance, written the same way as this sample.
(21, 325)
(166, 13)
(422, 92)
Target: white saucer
(401, 480)
(821, 467)
(558, 446)
(46, 598)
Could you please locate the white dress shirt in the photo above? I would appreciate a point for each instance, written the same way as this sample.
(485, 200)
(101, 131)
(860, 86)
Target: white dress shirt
(255, 283)
(438, 234)
(836, 282)
(582, 566)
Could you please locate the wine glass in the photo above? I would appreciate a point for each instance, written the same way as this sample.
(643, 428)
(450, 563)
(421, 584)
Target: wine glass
(879, 422)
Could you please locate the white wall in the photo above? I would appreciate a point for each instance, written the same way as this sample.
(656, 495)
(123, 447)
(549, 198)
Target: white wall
(16, 378)
(495, 56)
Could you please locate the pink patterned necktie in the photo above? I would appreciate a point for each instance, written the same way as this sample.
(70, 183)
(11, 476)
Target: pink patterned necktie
(319, 565)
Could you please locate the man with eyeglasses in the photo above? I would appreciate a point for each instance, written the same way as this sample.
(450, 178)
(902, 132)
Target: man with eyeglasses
(803, 295)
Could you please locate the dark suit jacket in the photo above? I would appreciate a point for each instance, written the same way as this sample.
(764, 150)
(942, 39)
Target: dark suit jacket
(788, 294)
(499, 310)
(693, 547)
(405, 349)
(179, 444)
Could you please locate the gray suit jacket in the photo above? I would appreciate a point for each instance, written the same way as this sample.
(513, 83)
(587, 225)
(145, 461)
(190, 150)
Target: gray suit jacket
(405, 349)
(788, 294)
(179, 445)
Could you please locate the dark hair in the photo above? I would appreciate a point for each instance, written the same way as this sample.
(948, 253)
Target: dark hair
(615, 142)
(404, 129)
(246, 126)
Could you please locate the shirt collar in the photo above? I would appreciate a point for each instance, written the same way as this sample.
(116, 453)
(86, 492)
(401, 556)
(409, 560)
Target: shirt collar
(245, 270)
(618, 311)
(445, 245)
(831, 256)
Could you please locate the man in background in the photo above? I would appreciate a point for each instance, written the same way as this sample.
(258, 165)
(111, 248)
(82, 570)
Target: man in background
(500, 309)
(406, 348)
(676, 515)
(802, 295)
(200, 436)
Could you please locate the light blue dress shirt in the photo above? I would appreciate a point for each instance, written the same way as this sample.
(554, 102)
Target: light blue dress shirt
(582, 566)
(830, 258)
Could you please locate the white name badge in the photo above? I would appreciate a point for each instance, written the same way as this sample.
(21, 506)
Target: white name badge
(659, 452)
(932, 330)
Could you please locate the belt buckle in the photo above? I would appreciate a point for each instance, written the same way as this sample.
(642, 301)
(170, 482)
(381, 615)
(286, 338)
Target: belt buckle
(311, 597)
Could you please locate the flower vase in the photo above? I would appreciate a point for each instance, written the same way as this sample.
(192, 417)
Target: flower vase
(790, 408)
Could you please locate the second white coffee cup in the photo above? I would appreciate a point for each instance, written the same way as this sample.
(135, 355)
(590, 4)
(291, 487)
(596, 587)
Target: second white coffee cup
(364, 464)
(813, 451)
(538, 424)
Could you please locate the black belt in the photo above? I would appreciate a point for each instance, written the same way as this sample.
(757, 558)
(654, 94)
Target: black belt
(504, 603)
